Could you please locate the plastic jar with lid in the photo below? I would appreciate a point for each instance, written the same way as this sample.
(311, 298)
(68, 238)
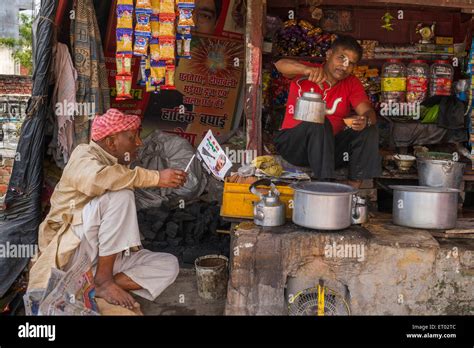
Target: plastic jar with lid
(394, 77)
(418, 73)
(441, 78)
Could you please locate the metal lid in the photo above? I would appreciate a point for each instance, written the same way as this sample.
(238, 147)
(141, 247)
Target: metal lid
(312, 95)
(408, 188)
(323, 188)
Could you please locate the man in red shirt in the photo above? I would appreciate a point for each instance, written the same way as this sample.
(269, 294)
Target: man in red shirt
(327, 146)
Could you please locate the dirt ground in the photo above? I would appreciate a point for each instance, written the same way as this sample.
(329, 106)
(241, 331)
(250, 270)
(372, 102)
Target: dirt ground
(181, 298)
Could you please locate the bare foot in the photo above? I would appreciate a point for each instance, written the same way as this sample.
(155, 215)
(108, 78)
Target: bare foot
(114, 294)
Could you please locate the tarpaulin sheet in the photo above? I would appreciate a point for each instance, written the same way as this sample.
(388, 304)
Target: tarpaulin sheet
(19, 222)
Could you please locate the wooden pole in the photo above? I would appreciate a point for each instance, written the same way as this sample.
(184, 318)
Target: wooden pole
(253, 73)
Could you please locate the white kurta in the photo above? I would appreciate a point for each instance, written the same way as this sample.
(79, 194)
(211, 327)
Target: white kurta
(109, 226)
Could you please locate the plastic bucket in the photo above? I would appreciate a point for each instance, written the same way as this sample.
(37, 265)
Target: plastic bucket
(212, 276)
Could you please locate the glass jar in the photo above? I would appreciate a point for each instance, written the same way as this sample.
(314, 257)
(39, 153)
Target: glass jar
(418, 73)
(441, 78)
(394, 78)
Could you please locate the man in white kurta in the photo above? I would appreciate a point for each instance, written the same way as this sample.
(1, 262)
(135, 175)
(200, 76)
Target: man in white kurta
(93, 207)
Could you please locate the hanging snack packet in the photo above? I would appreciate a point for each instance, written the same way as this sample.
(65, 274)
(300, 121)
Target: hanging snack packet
(155, 49)
(143, 21)
(157, 73)
(124, 87)
(167, 27)
(141, 44)
(167, 6)
(142, 75)
(169, 77)
(185, 17)
(125, 16)
(183, 44)
(125, 2)
(146, 4)
(124, 64)
(155, 26)
(167, 49)
(124, 41)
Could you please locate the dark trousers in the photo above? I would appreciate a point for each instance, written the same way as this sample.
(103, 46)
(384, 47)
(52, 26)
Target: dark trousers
(314, 145)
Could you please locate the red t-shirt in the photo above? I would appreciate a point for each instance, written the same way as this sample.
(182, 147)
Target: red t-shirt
(350, 90)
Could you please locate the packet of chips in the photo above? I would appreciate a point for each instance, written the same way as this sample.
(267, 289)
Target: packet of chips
(141, 44)
(183, 45)
(143, 20)
(125, 2)
(167, 48)
(157, 73)
(124, 87)
(167, 6)
(124, 40)
(146, 4)
(185, 17)
(155, 49)
(124, 64)
(155, 25)
(167, 27)
(125, 16)
(169, 77)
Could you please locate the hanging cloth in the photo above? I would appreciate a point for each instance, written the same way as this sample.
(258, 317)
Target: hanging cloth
(63, 97)
(89, 61)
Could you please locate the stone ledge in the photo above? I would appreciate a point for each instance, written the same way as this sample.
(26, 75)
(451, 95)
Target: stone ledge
(404, 271)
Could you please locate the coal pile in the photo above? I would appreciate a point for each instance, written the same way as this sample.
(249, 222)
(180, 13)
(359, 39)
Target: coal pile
(187, 233)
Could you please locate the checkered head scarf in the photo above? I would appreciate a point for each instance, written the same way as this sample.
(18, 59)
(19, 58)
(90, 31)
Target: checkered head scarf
(113, 122)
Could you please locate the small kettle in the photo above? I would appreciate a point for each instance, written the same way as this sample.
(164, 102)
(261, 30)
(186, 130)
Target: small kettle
(311, 107)
(360, 211)
(269, 211)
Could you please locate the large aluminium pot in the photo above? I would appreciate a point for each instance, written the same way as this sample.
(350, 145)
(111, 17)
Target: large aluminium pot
(322, 205)
(440, 173)
(425, 207)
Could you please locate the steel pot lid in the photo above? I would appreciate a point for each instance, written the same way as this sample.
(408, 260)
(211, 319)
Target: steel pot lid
(324, 188)
(427, 189)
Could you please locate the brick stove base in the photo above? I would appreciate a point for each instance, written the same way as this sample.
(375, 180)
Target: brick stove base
(403, 271)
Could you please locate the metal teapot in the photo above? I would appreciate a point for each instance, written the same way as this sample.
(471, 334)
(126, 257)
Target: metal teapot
(269, 211)
(311, 107)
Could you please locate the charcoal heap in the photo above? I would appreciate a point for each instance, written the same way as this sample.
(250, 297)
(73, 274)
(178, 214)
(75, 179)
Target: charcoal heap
(186, 233)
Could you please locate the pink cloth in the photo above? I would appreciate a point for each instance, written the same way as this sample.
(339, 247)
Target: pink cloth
(113, 122)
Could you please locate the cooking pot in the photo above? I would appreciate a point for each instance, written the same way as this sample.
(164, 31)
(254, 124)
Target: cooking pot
(323, 205)
(425, 207)
(440, 173)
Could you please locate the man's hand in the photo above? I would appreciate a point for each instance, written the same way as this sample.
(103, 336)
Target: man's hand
(172, 178)
(315, 74)
(359, 123)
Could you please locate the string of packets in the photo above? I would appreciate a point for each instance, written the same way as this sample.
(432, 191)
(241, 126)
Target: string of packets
(162, 34)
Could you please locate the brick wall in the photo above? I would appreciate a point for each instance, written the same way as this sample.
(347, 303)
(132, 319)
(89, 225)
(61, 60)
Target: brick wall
(15, 84)
(5, 171)
(11, 85)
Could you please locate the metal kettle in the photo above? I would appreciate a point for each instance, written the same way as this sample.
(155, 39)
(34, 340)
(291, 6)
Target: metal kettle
(311, 107)
(360, 211)
(269, 211)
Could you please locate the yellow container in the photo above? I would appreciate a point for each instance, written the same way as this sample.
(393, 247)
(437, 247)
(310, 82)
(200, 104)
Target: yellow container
(237, 201)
